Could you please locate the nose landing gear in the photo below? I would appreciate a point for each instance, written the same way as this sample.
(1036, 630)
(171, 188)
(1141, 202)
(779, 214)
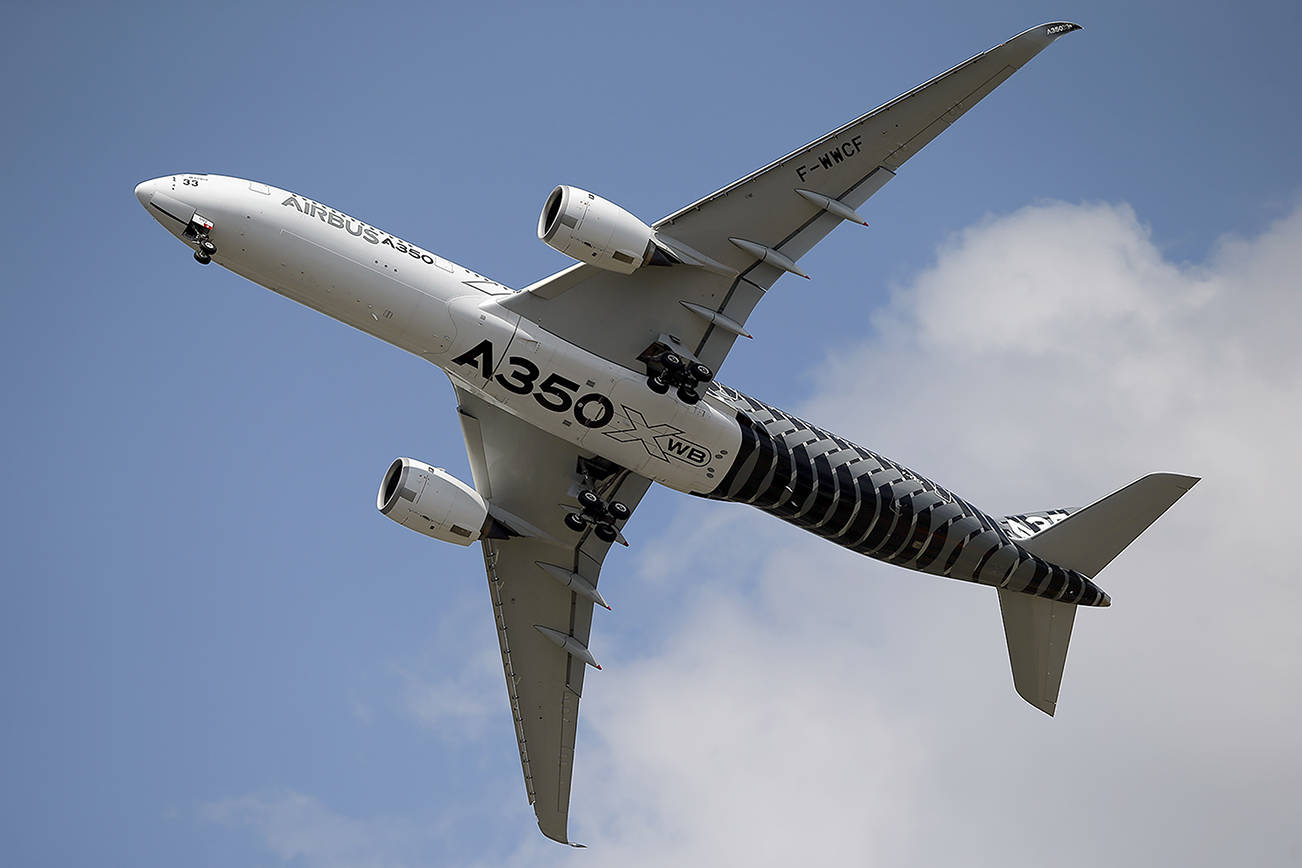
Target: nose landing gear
(206, 249)
(198, 230)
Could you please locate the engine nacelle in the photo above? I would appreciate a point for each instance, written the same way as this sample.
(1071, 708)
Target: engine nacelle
(431, 501)
(592, 230)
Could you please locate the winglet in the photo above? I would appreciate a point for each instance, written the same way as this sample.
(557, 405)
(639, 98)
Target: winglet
(559, 835)
(1058, 28)
(1048, 32)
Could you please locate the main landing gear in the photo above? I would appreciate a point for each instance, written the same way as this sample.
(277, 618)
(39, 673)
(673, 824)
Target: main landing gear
(596, 511)
(668, 370)
(600, 514)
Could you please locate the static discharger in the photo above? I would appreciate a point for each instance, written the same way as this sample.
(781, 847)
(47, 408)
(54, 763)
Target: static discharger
(833, 206)
(568, 643)
(575, 582)
(769, 256)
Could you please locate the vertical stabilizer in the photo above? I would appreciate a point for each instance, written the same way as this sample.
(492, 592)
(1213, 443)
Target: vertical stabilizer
(1038, 631)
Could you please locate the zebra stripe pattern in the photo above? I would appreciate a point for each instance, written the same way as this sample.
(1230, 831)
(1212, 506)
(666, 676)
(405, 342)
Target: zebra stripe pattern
(869, 504)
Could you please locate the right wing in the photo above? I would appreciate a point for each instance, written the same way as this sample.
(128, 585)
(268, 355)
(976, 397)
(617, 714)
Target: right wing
(529, 479)
(618, 316)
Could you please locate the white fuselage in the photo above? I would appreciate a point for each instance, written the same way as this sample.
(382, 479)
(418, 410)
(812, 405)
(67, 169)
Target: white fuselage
(448, 315)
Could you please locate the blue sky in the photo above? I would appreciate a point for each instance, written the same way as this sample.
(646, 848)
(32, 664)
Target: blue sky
(213, 650)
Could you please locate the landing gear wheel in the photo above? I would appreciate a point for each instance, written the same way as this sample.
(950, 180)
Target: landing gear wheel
(618, 510)
(606, 532)
(575, 522)
(657, 384)
(201, 257)
(207, 247)
(688, 395)
(589, 500)
(701, 373)
(672, 361)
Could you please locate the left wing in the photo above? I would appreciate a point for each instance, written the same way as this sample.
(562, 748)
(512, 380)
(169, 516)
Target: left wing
(542, 581)
(754, 229)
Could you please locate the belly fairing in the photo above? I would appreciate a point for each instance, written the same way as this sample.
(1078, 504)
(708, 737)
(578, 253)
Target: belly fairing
(869, 504)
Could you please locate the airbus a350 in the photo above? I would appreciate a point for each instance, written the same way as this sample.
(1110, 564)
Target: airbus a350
(575, 394)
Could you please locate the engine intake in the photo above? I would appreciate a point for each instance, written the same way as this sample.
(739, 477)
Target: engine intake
(588, 228)
(431, 501)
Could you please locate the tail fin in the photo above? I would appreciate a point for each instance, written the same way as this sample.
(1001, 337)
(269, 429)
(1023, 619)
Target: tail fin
(1037, 629)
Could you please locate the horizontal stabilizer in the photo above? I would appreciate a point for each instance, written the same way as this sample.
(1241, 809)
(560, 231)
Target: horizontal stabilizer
(1086, 541)
(1037, 630)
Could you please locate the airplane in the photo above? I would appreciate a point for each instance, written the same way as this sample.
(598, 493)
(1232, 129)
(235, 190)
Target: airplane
(578, 392)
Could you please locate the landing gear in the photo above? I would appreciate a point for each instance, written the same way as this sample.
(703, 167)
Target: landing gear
(600, 514)
(668, 369)
(601, 525)
(198, 230)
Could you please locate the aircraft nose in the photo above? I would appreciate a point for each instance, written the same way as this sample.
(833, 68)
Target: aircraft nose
(144, 190)
(173, 210)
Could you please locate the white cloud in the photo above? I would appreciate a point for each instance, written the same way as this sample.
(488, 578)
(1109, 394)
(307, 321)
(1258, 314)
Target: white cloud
(299, 829)
(447, 705)
(452, 701)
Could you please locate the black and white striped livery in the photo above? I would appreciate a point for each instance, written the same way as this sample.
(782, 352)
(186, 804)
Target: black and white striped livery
(872, 505)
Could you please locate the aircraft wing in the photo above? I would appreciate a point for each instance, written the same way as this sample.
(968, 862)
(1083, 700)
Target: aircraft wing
(529, 477)
(756, 228)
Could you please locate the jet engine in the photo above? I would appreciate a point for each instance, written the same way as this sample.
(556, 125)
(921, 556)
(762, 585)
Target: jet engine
(431, 501)
(586, 227)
